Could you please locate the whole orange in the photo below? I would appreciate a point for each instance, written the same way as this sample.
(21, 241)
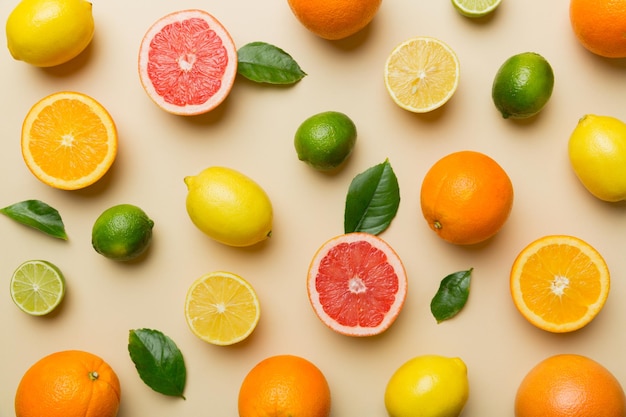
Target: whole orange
(599, 25)
(334, 19)
(466, 197)
(284, 385)
(69, 383)
(569, 385)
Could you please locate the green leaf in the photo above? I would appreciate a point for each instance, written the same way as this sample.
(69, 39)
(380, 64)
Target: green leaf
(452, 295)
(39, 215)
(265, 63)
(158, 361)
(372, 201)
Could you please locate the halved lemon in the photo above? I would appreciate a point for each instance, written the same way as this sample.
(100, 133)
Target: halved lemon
(422, 74)
(222, 308)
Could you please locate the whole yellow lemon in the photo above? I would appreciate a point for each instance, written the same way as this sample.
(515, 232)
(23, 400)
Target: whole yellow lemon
(46, 33)
(229, 206)
(597, 153)
(428, 386)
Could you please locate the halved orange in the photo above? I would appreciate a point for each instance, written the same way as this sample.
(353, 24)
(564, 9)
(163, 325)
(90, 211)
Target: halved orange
(69, 140)
(559, 283)
(422, 74)
(357, 284)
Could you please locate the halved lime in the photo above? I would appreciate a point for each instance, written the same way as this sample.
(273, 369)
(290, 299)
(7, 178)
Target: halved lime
(475, 8)
(37, 287)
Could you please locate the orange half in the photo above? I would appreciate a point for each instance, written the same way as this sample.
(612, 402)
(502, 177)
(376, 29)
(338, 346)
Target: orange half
(559, 283)
(69, 140)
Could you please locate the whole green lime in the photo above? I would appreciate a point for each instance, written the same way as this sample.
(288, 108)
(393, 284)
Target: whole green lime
(325, 140)
(122, 232)
(523, 85)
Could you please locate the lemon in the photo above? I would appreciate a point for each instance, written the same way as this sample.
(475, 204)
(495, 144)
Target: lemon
(428, 386)
(325, 140)
(523, 85)
(597, 153)
(46, 33)
(122, 232)
(229, 207)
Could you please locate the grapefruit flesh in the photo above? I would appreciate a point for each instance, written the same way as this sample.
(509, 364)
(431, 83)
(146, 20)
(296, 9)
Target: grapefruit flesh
(357, 284)
(187, 62)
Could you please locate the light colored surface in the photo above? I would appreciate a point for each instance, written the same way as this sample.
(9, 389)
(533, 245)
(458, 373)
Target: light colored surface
(253, 132)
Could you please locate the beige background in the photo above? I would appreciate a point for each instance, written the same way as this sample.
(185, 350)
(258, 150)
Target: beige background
(253, 132)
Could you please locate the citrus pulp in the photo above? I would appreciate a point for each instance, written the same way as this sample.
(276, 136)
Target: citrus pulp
(69, 140)
(222, 308)
(37, 287)
(122, 232)
(476, 8)
(69, 383)
(422, 74)
(466, 197)
(559, 283)
(284, 385)
(357, 284)
(229, 206)
(597, 153)
(569, 385)
(46, 33)
(428, 386)
(523, 85)
(325, 140)
(334, 19)
(599, 26)
(187, 62)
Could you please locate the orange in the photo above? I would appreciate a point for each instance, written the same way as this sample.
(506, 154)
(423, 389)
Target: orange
(187, 62)
(69, 383)
(357, 284)
(466, 197)
(69, 140)
(559, 283)
(569, 385)
(334, 19)
(599, 25)
(284, 385)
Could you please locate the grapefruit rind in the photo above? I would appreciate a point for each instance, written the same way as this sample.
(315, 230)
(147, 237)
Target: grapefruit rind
(523, 303)
(392, 259)
(227, 78)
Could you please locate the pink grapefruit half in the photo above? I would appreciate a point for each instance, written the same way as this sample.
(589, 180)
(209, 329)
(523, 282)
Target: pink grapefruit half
(187, 62)
(357, 284)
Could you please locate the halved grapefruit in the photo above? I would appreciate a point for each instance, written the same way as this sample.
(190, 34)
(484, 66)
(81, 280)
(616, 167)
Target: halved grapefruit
(187, 62)
(357, 284)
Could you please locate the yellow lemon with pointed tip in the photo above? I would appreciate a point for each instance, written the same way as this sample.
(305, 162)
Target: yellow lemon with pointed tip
(597, 153)
(229, 206)
(47, 33)
(428, 386)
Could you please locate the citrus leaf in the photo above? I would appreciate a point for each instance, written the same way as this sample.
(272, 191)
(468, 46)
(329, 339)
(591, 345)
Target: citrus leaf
(452, 295)
(158, 361)
(38, 215)
(265, 63)
(372, 201)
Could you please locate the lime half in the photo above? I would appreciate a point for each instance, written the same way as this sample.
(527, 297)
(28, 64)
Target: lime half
(475, 8)
(37, 287)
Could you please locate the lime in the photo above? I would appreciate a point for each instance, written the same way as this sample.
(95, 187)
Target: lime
(597, 153)
(523, 85)
(475, 8)
(46, 33)
(428, 386)
(37, 287)
(122, 232)
(229, 207)
(325, 140)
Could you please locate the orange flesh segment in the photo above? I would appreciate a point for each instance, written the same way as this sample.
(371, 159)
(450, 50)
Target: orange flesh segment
(561, 283)
(356, 284)
(68, 139)
(188, 61)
